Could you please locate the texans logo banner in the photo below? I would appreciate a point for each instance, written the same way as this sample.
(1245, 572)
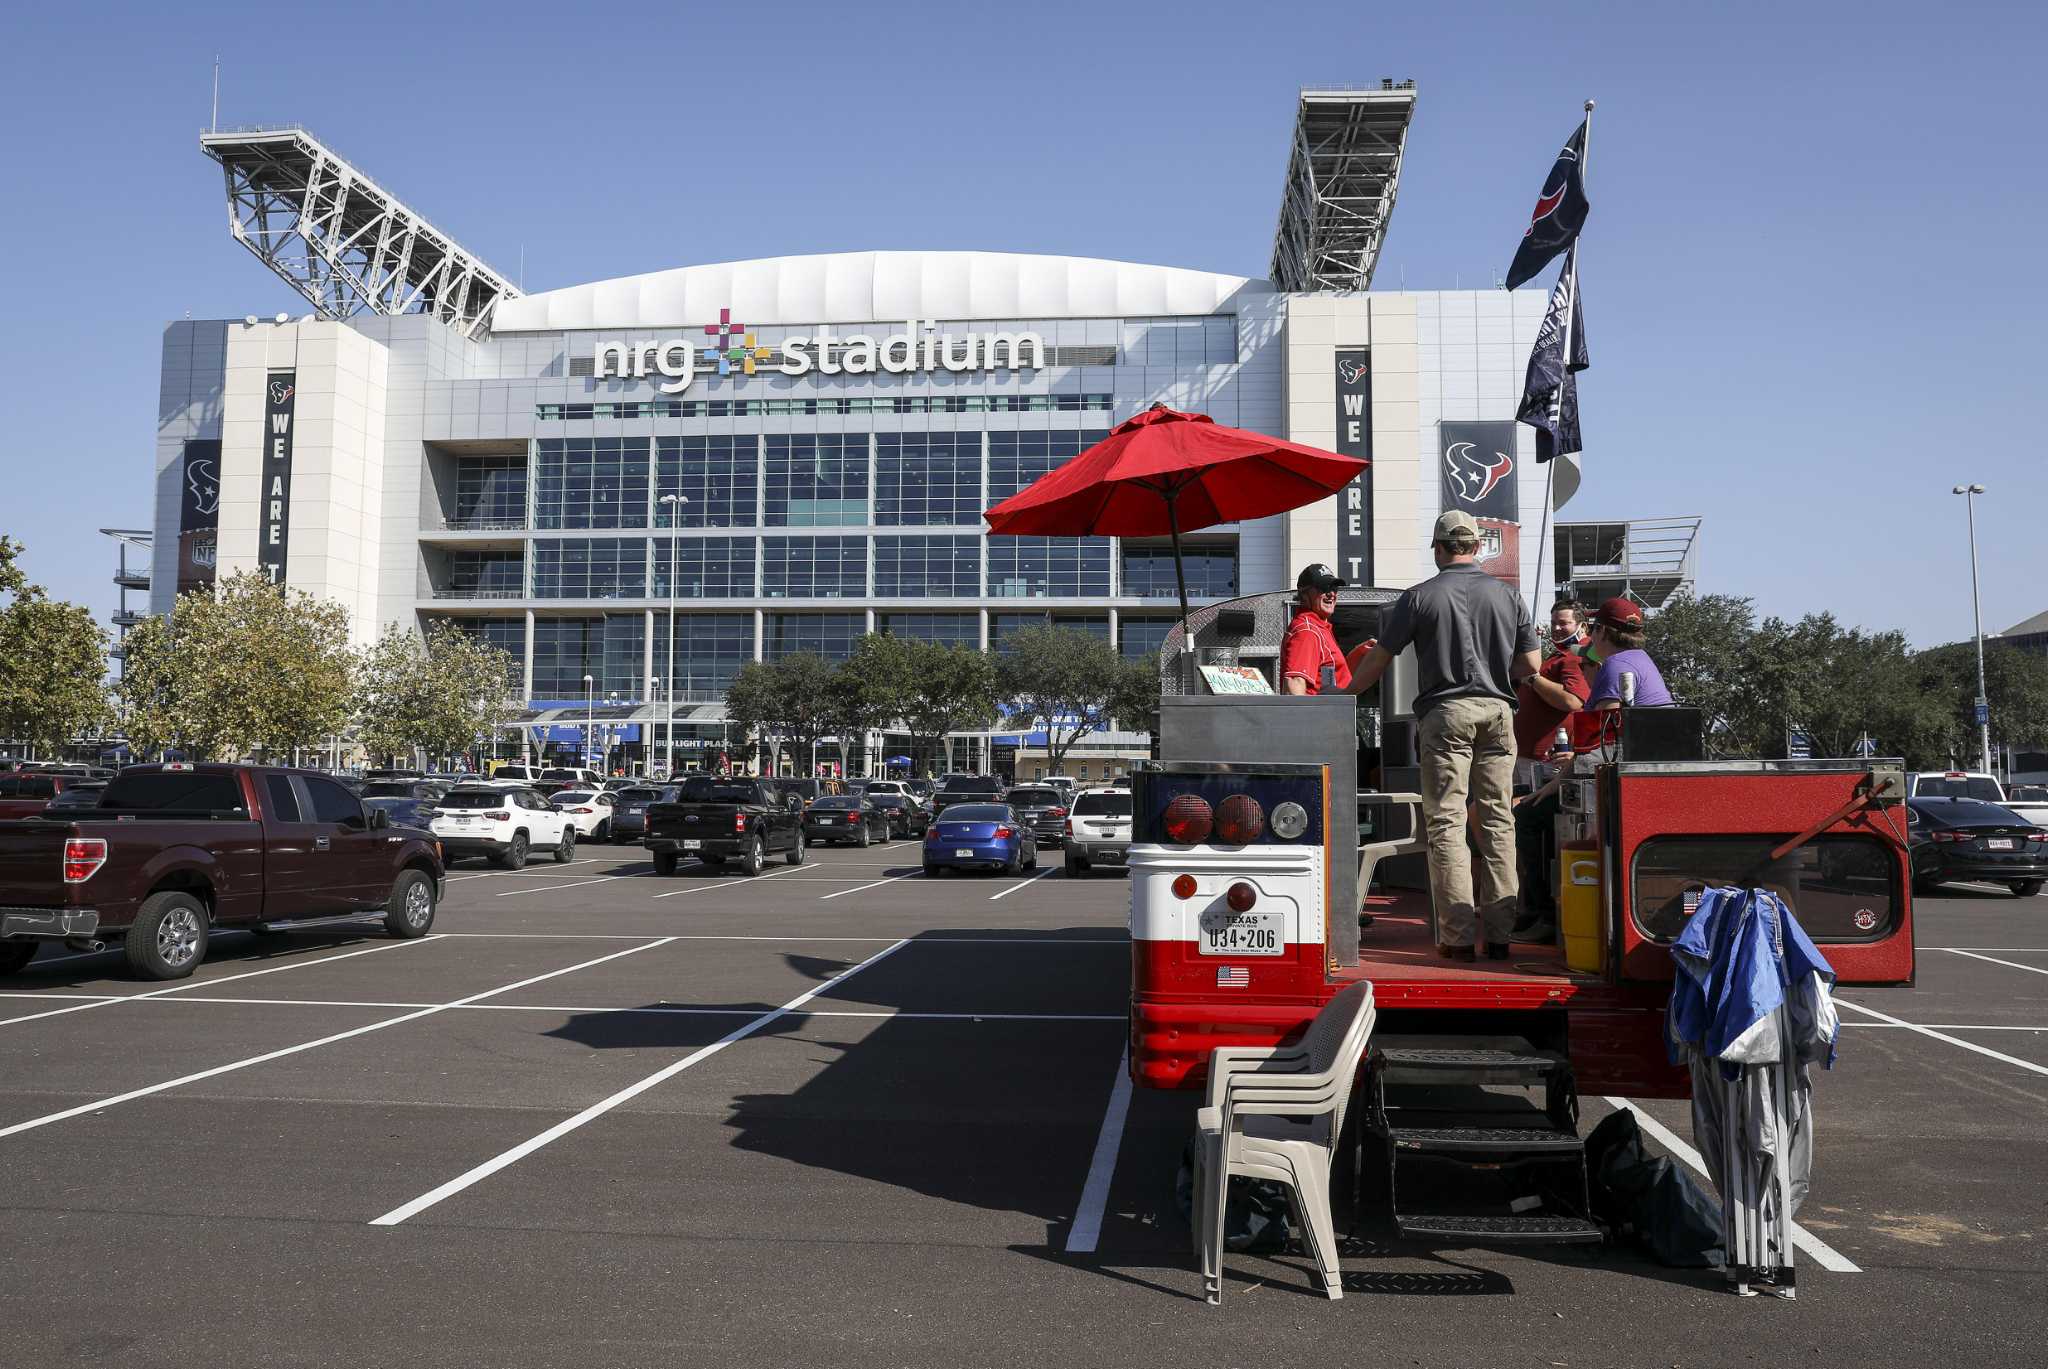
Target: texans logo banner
(1478, 461)
(1559, 214)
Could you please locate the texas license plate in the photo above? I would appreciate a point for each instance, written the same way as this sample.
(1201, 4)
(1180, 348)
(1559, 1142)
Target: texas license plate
(1241, 934)
(693, 845)
(1999, 843)
(963, 855)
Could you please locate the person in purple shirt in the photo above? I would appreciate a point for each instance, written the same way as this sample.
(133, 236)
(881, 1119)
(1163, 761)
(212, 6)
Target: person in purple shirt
(1618, 646)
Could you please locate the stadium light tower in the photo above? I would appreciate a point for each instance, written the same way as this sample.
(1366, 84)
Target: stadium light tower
(1970, 493)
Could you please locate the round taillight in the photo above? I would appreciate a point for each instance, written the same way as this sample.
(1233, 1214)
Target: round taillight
(1241, 897)
(1188, 819)
(1290, 820)
(1239, 820)
(1184, 886)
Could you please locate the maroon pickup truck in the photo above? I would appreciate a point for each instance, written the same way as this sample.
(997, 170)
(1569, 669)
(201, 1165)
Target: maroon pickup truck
(174, 851)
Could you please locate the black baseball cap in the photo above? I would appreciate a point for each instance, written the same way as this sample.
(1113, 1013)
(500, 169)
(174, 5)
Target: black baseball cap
(1320, 577)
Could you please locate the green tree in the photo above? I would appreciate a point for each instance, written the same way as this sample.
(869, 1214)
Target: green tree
(939, 690)
(2014, 681)
(246, 667)
(865, 694)
(1061, 680)
(438, 692)
(1700, 645)
(783, 702)
(53, 661)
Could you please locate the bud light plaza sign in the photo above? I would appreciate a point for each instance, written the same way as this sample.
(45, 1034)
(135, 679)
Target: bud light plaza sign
(732, 348)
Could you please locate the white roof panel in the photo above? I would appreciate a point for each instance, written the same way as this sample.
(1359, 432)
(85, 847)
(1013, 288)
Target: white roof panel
(877, 287)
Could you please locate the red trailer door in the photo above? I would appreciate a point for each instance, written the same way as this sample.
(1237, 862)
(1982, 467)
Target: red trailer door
(1674, 829)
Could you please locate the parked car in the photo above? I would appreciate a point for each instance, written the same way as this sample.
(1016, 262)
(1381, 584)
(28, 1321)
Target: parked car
(804, 791)
(1968, 839)
(25, 793)
(175, 852)
(876, 788)
(1043, 809)
(979, 836)
(1098, 830)
(629, 809)
(515, 774)
(1955, 784)
(589, 809)
(982, 789)
(420, 791)
(845, 818)
(922, 790)
(372, 776)
(417, 814)
(907, 817)
(84, 794)
(502, 825)
(719, 819)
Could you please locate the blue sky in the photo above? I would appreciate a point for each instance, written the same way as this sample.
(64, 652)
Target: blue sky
(1811, 274)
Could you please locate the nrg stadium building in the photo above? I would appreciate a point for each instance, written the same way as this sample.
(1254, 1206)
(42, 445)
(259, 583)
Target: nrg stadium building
(788, 453)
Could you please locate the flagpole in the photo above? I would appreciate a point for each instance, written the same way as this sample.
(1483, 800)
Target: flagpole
(1571, 310)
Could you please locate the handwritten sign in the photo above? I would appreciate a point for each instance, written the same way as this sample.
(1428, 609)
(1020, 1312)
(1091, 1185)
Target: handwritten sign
(1235, 679)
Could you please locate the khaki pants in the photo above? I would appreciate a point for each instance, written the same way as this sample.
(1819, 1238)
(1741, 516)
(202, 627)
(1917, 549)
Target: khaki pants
(1468, 749)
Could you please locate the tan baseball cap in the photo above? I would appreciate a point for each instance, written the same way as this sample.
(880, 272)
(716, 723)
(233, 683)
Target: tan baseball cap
(1455, 524)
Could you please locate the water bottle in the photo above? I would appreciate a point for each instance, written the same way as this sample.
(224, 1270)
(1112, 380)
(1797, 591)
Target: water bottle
(1628, 688)
(1563, 741)
(1328, 682)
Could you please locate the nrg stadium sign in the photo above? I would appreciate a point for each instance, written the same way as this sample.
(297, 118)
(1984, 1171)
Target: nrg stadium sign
(732, 348)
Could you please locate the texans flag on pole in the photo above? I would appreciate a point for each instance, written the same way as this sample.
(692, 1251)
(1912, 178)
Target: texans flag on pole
(1559, 215)
(1550, 393)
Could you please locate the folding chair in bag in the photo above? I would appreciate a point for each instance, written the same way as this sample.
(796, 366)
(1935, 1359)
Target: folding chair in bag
(1276, 1113)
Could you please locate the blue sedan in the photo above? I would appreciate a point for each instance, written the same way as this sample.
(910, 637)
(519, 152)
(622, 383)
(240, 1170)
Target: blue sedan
(980, 836)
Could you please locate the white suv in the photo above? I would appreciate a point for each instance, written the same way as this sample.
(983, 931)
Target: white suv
(589, 810)
(1098, 829)
(502, 824)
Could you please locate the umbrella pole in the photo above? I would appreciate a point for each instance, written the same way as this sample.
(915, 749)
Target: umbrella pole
(1180, 579)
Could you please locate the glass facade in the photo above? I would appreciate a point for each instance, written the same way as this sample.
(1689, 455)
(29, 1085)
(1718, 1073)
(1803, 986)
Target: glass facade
(705, 567)
(1211, 572)
(710, 649)
(719, 477)
(928, 479)
(814, 567)
(506, 634)
(490, 492)
(591, 482)
(948, 629)
(483, 573)
(816, 480)
(1049, 567)
(830, 635)
(1005, 625)
(590, 568)
(927, 567)
(1017, 459)
(564, 651)
(1142, 637)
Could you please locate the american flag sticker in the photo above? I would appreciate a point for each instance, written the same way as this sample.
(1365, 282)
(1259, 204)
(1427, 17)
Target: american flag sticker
(1233, 977)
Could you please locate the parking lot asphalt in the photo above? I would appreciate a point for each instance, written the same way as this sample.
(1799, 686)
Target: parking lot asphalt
(843, 1114)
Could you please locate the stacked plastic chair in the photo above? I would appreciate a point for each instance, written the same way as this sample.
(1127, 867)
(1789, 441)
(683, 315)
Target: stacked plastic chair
(1277, 1113)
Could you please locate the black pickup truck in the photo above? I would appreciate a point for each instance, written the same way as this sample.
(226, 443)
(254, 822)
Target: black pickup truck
(174, 852)
(718, 820)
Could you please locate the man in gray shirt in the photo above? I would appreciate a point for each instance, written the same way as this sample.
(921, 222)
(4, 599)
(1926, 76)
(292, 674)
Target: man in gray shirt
(1473, 643)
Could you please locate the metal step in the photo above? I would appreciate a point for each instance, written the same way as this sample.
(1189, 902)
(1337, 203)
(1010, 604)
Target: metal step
(1493, 1140)
(1406, 1064)
(1506, 1230)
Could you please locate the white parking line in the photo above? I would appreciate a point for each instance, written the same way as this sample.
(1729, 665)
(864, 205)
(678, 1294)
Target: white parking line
(1087, 1227)
(495, 874)
(664, 1009)
(1021, 883)
(548, 888)
(1824, 1255)
(914, 874)
(1946, 1026)
(727, 884)
(2009, 964)
(625, 1095)
(1123, 945)
(1940, 1036)
(224, 979)
(233, 1065)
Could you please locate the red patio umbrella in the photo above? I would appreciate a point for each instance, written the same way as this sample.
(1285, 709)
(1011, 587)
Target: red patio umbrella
(1164, 471)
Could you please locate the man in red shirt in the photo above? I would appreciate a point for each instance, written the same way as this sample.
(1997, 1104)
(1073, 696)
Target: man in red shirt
(1310, 645)
(1552, 698)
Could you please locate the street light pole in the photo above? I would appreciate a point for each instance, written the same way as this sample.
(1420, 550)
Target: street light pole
(1970, 493)
(589, 714)
(675, 522)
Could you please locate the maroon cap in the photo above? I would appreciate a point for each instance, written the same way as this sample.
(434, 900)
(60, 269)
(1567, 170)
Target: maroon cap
(1620, 612)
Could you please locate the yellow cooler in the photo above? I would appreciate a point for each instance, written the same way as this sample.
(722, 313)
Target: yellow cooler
(1578, 906)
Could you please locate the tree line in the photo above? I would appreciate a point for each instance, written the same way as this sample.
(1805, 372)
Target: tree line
(1062, 681)
(243, 669)
(1756, 682)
